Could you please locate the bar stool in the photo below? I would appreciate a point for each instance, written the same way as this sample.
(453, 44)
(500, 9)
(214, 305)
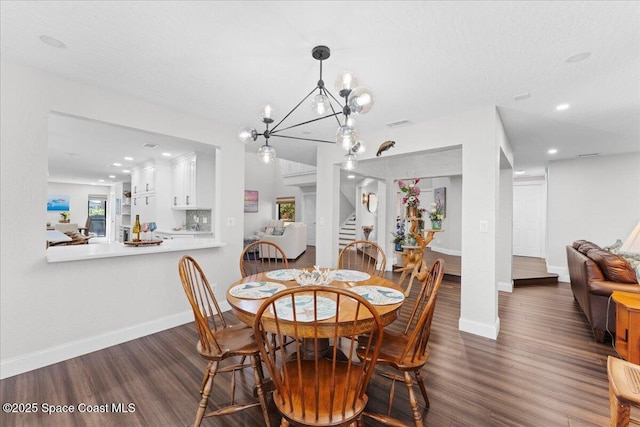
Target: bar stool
(624, 390)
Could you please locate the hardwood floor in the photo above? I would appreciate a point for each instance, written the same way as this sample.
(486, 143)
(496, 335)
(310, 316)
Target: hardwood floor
(545, 369)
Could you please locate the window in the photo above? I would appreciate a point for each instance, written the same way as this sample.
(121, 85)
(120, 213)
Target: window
(286, 208)
(97, 211)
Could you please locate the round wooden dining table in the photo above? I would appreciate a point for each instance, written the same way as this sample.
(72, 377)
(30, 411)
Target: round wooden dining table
(245, 309)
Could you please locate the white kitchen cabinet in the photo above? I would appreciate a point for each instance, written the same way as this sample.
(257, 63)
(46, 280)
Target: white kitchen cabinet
(143, 180)
(145, 206)
(193, 181)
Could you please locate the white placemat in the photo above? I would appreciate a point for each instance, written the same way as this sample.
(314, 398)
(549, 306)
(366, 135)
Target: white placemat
(305, 308)
(284, 274)
(350, 276)
(378, 295)
(256, 290)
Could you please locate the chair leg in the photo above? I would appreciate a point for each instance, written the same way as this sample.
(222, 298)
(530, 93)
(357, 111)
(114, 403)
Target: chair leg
(205, 377)
(420, 382)
(258, 376)
(206, 392)
(413, 400)
(620, 411)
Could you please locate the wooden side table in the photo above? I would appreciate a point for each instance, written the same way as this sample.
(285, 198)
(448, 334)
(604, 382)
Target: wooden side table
(627, 325)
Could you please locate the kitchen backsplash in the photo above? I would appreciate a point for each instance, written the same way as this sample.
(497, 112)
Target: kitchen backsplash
(199, 220)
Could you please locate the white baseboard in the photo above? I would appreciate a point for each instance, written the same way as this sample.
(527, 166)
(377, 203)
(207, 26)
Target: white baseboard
(445, 251)
(481, 329)
(506, 286)
(562, 272)
(49, 356)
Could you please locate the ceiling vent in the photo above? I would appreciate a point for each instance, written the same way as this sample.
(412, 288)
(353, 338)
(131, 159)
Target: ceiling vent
(399, 123)
(521, 96)
(150, 145)
(589, 155)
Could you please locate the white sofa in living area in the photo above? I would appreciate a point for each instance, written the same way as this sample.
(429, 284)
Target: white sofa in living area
(293, 240)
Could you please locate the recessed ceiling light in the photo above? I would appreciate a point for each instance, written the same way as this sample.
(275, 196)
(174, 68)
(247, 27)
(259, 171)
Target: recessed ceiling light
(519, 172)
(562, 107)
(126, 171)
(351, 176)
(521, 96)
(128, 158)
(149, 145)
(578, 57)
(52, 42)
(166, 154)
(117, 164)
(74, 155)
(101, 180)
(112, 176)
(552, 151)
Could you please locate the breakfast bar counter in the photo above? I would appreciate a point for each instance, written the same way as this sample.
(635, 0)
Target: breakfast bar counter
(117, 249)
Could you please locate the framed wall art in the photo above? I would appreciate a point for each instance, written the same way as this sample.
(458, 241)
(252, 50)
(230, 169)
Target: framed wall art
(440, 198)
(56, 202)
(250, 201)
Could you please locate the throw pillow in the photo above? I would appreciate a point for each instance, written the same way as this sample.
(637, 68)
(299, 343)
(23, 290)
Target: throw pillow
(268, 230)
(614, 267)
(278, 231)
(579, 243)
(586, 247)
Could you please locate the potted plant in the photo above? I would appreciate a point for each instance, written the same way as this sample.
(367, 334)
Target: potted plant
(64, 217)
(410, 199)
(435, 215)
(398, 235)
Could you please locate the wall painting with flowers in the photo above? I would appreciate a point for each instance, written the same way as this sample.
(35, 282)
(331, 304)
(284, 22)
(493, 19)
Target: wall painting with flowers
(440, 199)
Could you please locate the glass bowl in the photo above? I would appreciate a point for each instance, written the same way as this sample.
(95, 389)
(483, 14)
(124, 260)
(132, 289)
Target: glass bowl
(314, 277)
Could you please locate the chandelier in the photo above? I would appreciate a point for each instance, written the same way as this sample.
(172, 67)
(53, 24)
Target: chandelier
(355, 100)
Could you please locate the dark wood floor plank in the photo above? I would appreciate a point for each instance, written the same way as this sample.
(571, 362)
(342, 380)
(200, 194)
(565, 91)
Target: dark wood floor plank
(545, 369)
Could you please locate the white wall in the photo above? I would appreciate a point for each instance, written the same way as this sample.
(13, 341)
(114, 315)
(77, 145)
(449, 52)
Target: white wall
(260, 177)
(481, 139)
(50, 312)
(594, 198)
(79, 197)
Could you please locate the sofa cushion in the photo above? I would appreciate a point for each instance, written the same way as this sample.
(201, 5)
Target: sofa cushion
(278, 231)
(614, 267)
(586, 247)
(269, 231)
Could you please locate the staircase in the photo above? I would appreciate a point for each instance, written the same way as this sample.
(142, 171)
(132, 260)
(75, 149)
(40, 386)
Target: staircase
(347, 231)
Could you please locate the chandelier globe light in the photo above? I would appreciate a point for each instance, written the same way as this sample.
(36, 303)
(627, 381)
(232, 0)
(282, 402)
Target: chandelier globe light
(355, 100)
(350, 162)
(266, 153)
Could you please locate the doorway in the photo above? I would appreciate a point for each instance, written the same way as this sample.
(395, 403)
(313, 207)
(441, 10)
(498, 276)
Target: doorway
(309, 216)
(529, 207)
(97, 212)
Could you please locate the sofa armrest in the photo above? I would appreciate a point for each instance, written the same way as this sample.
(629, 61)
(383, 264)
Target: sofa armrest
(605, 287)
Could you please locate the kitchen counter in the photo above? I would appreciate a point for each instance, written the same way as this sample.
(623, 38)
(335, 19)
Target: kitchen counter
(183, 232)
(117, 249)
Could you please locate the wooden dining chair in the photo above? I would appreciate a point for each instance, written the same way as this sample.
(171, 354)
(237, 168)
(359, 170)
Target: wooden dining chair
(624, 391)
(407, 352)
(319, 380)
(363, 255)
(261, 256)
(219, 341)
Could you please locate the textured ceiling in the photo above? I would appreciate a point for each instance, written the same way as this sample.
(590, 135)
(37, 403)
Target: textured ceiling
(223, 60)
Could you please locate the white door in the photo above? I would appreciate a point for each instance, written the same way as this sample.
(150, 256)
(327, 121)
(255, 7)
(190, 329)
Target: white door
(309, 216)
(528, 220)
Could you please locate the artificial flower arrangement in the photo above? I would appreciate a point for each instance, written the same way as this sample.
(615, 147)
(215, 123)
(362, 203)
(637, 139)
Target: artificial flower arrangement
(435, 212)
(399, 235)
(64, 216)
(410, 193)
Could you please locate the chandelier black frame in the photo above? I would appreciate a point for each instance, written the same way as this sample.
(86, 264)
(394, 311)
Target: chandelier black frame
(357, 100)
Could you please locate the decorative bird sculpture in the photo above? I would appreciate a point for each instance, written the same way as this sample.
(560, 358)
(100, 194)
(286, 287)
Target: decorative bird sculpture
(384, 147)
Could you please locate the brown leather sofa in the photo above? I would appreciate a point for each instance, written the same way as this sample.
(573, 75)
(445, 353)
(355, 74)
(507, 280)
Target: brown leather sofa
(595, 273)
